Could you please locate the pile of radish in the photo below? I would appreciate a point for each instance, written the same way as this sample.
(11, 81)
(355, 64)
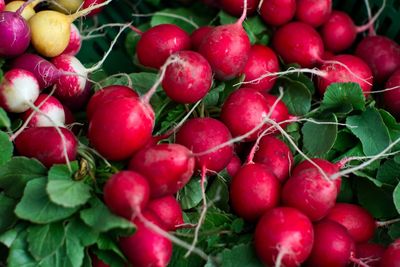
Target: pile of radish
(256, 134)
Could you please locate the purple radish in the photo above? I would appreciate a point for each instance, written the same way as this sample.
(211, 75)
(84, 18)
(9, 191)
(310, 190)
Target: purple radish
(50, 106)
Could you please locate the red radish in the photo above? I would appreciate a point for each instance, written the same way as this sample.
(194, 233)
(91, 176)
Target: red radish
(126, 193)
(280, 112)
(52, 149)
(277, 12)
(312, 12)
(2, 4)
(255, 184)
(168, 210)
(189, 79)
(235, 7)
(44, 71)
(167, 167)
(227, 48)
(311, 193)
(202, 134)
(391, 98)
(333, 245)
(75, 42)
(50, 106)
(328, 55)
(381, 54)
(359, 222)
(261, 60)
(198, 36)
(17, 89)
(146, 248)
(391, 257)
(107, 94)
(88, 3)
(335, 73)
(233, 166)
(284, 237)
(159, 42)
(275, 155)
(370, 253)
(126, 123)
(298, 42)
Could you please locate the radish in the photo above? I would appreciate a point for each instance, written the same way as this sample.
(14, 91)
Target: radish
(2, 4)
(189, 79)
(235, 7)
(298, 42)
(75, 42)
(126, 193)
(370, 253)
(159, 42)
(312, 12)
(275, 155)
(227, 48)
(277, 12)
(277, 109)
(233, 166)
(284, 237)
(168, 210)
(337, 73)
(359, 222)
(106, 95)
(28, 11)
(69, 117)
(51, 107)
(18, 90)
(381, 54)
(58, 146)
(167, 167)
(391, 257)
(255, 184)
(262, 59)
(391, 98)
(88, 3)
(66, 6)
(198, 36)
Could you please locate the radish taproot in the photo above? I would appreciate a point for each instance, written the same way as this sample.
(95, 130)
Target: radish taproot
(198, 36)
(391, 98)
(50, 106)
(312, 12)
(277, 12)
(75, 42)
(168, 210)
(235, 7)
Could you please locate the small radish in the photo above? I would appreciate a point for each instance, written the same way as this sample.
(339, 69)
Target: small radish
(88, 3)
(126, 193)
(391, 98)
(381, 54)
(337, 73)
(284, 237)
(18, 89)
(233, 166)
(261, 60)
(298, 42)
(280, 112)
(189, 79)
(168, 210)
(370, 253)
(198, 36)
(235, 7)
(28, 12)
(277, 12)
(391, 257)
(227, 48)
(50, 106)
(75, 42)
(167, 167)
(2, 5)
(53, 148)
(107, 94)
(275, 155)
(255, 184)
(312, 12)
(159, 42)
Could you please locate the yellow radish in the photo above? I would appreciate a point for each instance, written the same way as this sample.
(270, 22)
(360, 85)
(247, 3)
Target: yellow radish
(28, 12)
(66, 6)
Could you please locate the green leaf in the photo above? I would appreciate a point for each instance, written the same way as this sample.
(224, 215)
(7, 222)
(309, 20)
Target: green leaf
(35, 205)
(4, 119)
(396, 197)
(70, 254)
(219, 194)
(106, 244)
(143, 81)
(110, 258)
(7, 206)
(297, 97)
(8, 238)
(394, 230)
(389, 172)
(318, 139)
(63, 190)
(87, 235)
(6, 148)
(17, 172)
(238, 256)
(212, 98)
(19, 255)
(190, 196)
(343, 98)
(45, 239)
(99, 217)
(344, 141)
(371, 131)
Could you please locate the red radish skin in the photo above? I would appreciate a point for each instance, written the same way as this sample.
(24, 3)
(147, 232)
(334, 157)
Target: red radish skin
(88, 3)
(312, 12)
(276, 156)
(75, 42)
(370, 253)
(126, 193)
(391, 257)
(202, 134)
(277, 12)
(107, 94)
(298, 42)
(167, 167)
(235, 7)
(280, 113)
(381, 54)
(159, 42)
(146, 248)
(189, 79)
(17, 88)
(51, 107)
(391, 98)
(309, 192)
(46, 145)
(284, 231)
(328, 55)
(198, 36)
(333, 245)
(2, 5)
(262, 59)
(15, 34)
(233, 166)
(255, 184)
(336, 73)
(168, 210)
